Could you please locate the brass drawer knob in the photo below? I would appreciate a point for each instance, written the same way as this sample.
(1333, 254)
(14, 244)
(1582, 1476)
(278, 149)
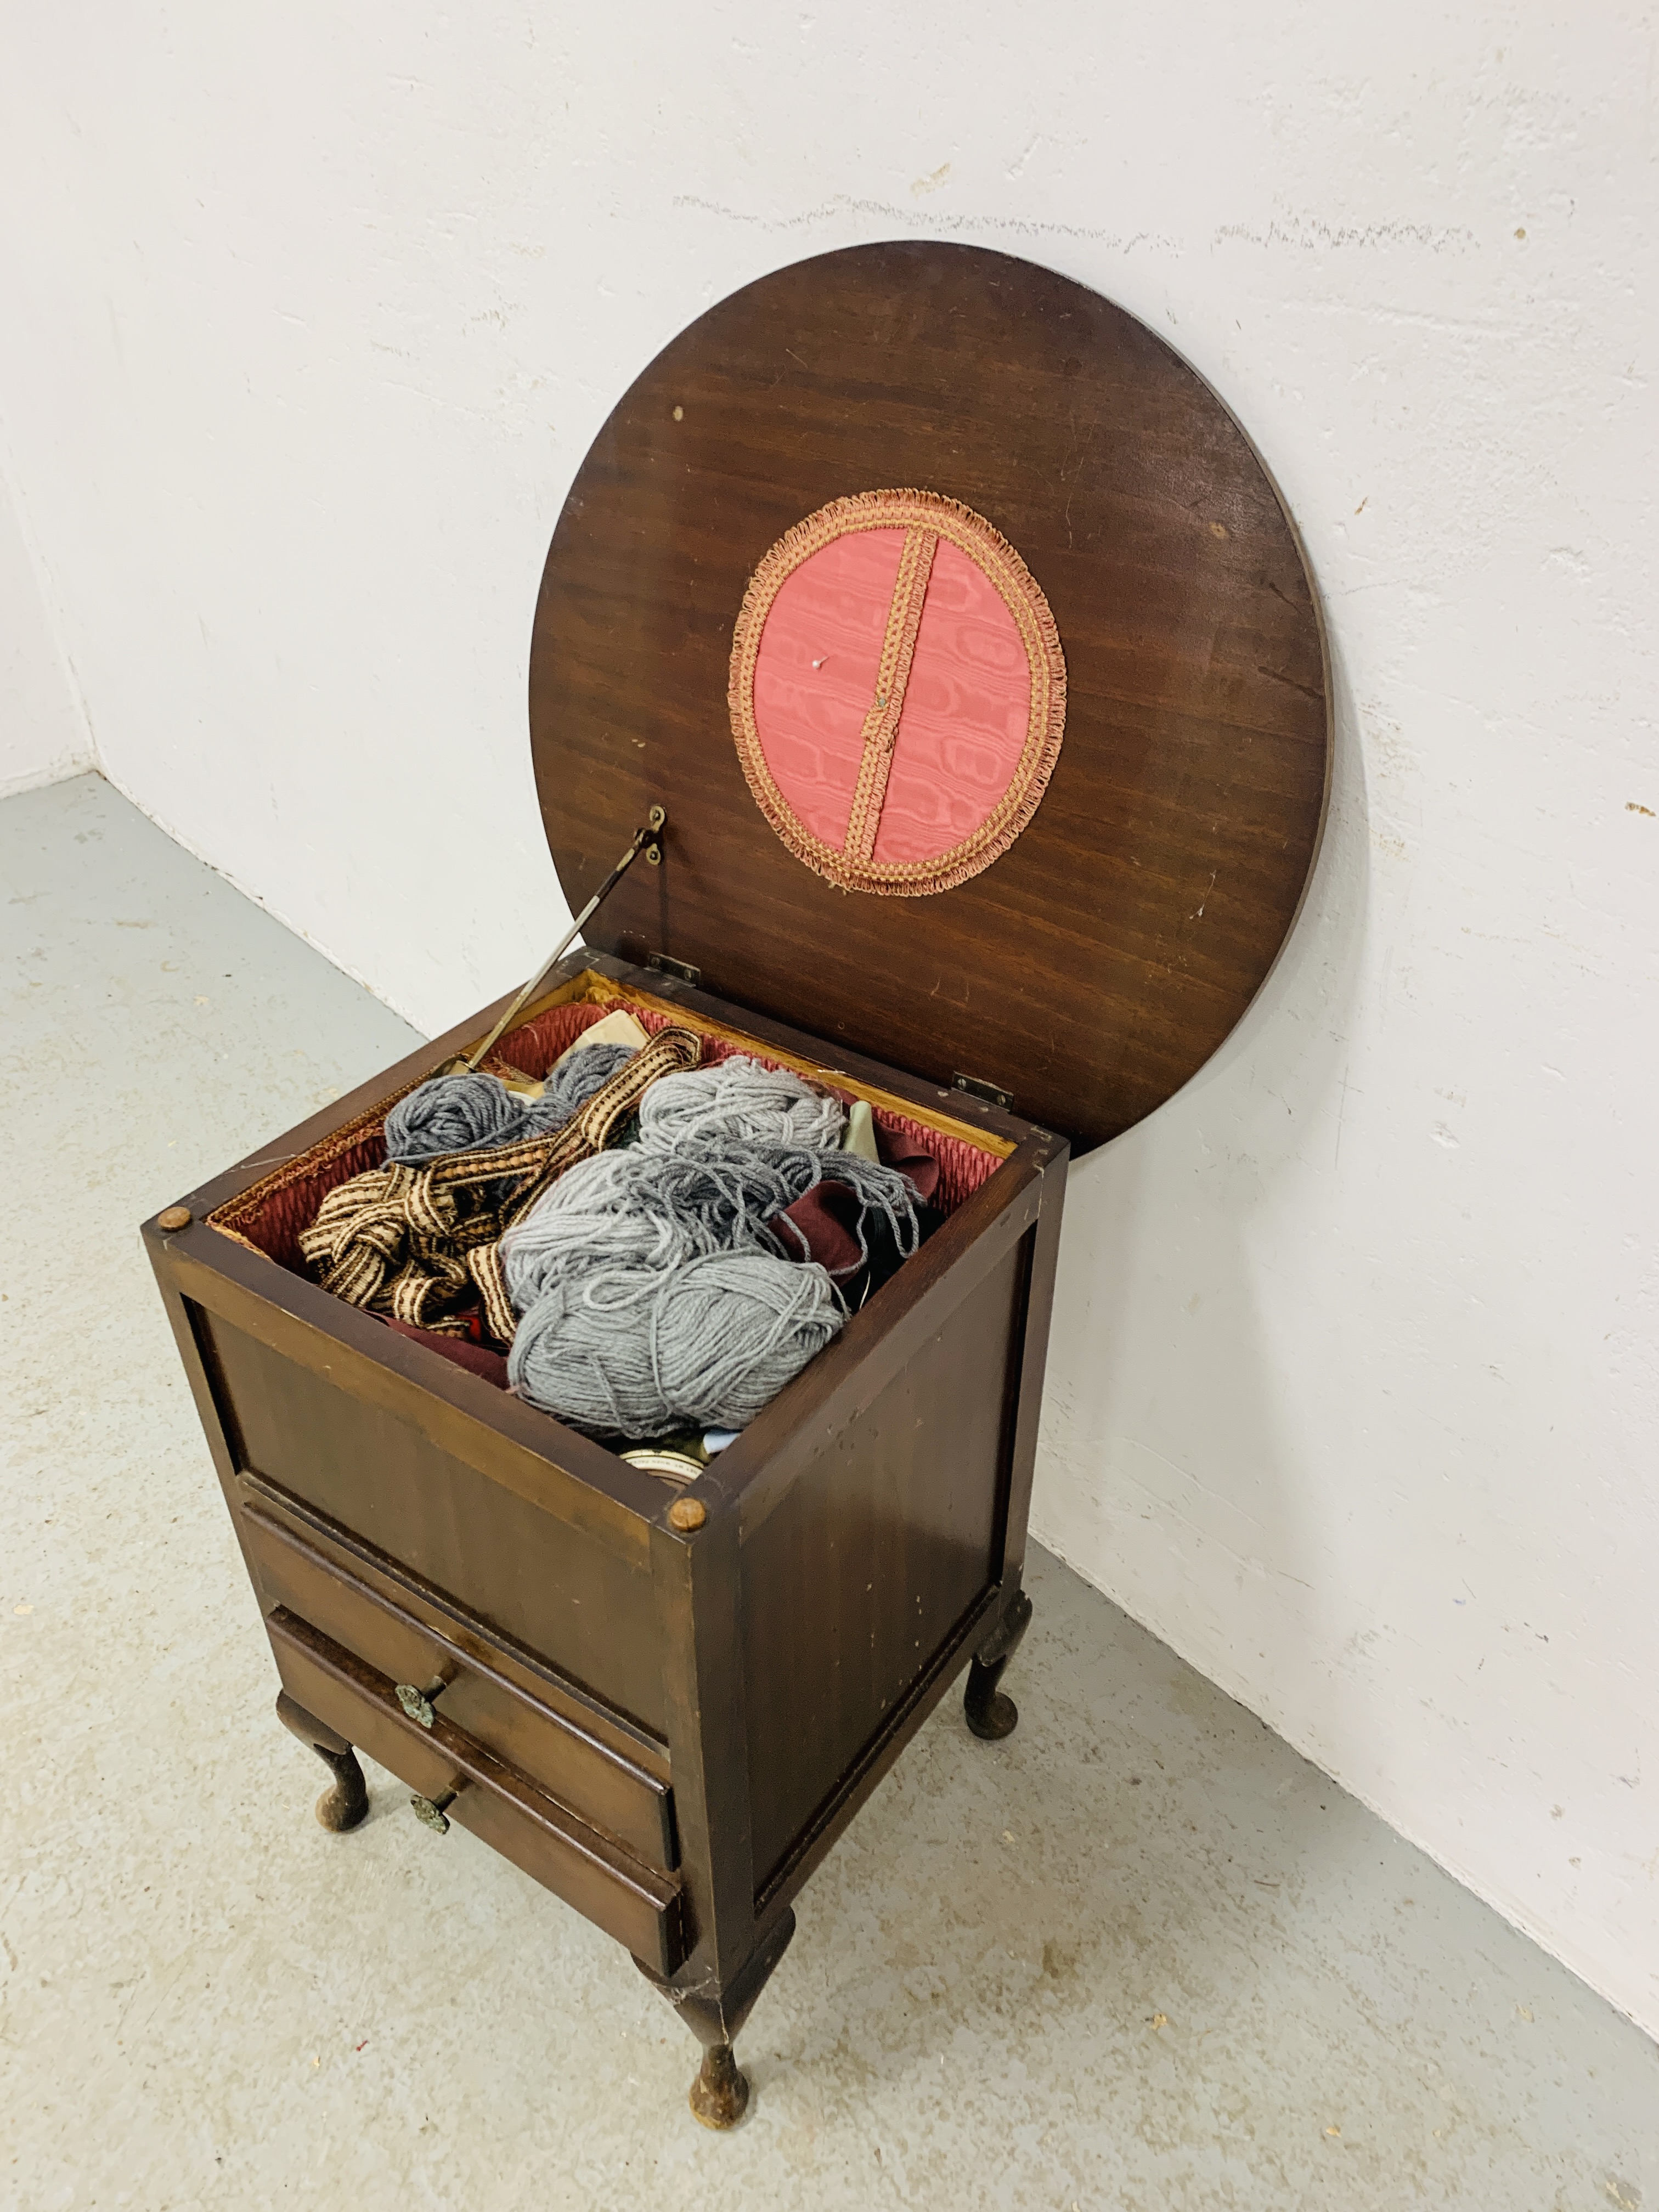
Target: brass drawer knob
(430, 1810)
(418, 1704)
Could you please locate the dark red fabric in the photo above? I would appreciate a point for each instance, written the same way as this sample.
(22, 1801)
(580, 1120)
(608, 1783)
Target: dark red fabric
(477, 1358)
(900, 1149)
(276, 1227)
(822, 1225)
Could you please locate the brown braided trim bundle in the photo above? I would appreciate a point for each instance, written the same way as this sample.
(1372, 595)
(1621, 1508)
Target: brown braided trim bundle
(420, 1243)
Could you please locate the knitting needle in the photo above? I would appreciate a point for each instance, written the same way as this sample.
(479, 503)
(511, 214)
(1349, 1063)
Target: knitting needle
(645, 841)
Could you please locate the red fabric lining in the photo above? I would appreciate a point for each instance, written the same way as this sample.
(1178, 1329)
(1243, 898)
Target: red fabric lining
(276, 1226)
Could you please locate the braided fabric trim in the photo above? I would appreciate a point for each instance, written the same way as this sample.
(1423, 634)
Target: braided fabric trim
(420, 1243)
(237, 1215)
(484, 1264)
(925, 517)
(880, 732)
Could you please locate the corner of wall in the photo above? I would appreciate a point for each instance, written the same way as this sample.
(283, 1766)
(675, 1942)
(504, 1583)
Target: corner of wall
(46, 731)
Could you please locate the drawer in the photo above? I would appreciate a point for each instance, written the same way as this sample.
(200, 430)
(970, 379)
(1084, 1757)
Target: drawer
(598, 1780)
(638, 1906)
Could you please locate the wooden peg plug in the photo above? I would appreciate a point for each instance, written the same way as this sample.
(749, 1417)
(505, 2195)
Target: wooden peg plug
(174, 1217)
(687, 1514)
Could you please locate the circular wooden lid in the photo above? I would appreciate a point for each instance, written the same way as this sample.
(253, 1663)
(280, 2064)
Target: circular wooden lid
(1058, 860)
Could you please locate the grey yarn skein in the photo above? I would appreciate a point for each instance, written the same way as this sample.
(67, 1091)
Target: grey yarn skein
(662, 1210)
(634, 1350)
(738, 1098)
(729, 1188)
(473, 1113)
(652, 1292)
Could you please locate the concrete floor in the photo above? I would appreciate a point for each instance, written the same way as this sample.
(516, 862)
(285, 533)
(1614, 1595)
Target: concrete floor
(1140, 1956)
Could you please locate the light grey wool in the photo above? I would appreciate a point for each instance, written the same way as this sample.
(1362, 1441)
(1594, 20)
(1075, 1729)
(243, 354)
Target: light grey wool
(473, 1113)
(716, 1193)
(651, 1294)
(638, 1351)
(740, 1100)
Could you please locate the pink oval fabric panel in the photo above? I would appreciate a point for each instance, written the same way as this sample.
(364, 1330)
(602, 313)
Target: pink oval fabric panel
(897, 692)
(966, 715)
(816, 675)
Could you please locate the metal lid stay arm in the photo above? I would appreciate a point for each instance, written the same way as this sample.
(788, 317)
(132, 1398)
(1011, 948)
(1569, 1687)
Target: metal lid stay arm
(645, 841)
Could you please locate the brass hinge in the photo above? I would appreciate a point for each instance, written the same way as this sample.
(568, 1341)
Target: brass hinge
(988, 1092)
(682, 968)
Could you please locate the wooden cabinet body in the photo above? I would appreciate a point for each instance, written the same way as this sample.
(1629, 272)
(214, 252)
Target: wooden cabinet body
(668, 1725)
(668, 1729)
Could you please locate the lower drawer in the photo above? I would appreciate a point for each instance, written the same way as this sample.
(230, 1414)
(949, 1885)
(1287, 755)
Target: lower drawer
(638, 1906)
(605, 1787)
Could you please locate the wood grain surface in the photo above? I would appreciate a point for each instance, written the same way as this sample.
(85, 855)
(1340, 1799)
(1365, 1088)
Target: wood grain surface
(1096, 966)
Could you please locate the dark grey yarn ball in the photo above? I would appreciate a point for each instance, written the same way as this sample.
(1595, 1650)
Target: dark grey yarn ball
(473, 1113)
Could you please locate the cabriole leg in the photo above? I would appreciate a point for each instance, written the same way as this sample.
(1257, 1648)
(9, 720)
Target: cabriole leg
(346, 1805)
(990, 1713)
(720, 2095)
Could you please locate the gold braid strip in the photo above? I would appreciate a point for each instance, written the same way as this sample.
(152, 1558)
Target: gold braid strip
(421, 1243)
(880, 731)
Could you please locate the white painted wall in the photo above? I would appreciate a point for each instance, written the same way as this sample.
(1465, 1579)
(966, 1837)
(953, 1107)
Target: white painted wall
(43, 731)
(311, 315)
